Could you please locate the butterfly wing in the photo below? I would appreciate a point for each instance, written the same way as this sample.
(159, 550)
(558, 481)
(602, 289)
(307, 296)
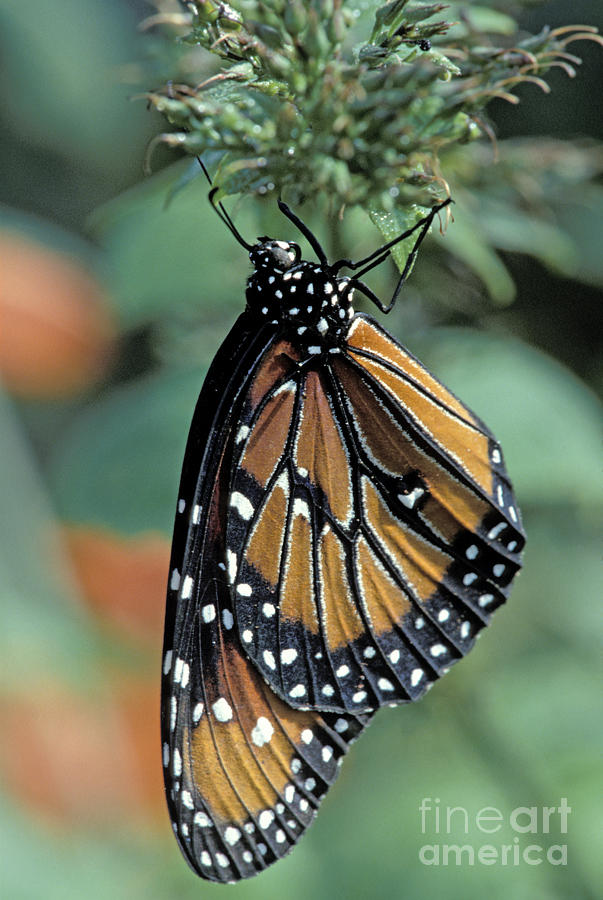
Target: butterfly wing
(244, 772)
(372, 528)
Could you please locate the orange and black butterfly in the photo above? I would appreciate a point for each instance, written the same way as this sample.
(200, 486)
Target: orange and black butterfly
(345, 529)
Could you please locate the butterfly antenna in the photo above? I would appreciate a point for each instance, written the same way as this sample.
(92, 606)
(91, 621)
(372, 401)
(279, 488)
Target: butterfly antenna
(220, 209)
(287, 211)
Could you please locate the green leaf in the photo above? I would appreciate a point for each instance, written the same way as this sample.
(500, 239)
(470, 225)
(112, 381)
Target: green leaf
(119, 465)
(63, 56)
(580, 216)
(156, 256)
(391, 224)
(483, 19)
(511, 229)
(465, 239)
(41, 621)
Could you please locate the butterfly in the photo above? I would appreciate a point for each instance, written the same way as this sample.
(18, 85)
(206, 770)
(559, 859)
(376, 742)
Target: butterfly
(345, 528)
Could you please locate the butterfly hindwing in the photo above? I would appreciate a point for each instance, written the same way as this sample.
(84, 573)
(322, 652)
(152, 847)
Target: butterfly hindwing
(244, 772)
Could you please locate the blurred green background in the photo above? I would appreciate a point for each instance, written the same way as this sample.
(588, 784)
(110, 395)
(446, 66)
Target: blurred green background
(112, 304)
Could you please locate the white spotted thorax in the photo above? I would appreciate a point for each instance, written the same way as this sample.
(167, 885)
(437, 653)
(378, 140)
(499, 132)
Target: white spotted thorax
(310, 300)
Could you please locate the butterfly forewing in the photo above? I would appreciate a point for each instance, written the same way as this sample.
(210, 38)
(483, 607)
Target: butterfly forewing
(373, 528)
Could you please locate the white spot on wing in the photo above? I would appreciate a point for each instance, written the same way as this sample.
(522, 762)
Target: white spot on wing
(266, 818)
(262, 731)
(269, 659)
(232, 835)
(208, 613)
(242, 434)
(283, 483)
(177, 763)
(231, 561)
(242, 505)
(285, 388)
(415, 676)
(300, 507)
(411, 498)
(222, 710)
(185, 675)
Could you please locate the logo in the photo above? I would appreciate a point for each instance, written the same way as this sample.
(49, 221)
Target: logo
(527, 834)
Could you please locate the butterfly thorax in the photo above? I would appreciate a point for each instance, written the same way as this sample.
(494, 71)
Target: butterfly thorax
(310, 302)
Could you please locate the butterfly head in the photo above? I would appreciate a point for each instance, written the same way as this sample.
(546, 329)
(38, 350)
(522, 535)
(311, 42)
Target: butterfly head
(278, 255)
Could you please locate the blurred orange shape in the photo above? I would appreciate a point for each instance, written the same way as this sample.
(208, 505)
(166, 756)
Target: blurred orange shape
(89, 759)
(123, 579)
(56, 331)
